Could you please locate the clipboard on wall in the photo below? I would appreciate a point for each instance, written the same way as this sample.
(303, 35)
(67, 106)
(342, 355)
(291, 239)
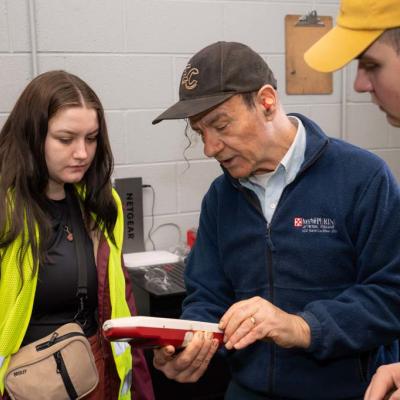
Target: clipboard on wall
(301, 32)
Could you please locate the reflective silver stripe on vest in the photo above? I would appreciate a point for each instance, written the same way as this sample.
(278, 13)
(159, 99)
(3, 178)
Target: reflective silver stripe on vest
(126, 386)
(120, 347)
(2, 359)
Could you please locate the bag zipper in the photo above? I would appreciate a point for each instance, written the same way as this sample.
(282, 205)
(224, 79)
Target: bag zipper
(55, 338)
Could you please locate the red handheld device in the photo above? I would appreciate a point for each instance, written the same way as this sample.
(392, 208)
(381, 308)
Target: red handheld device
(150, 332)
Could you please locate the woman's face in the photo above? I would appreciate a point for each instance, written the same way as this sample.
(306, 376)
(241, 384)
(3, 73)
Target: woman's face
(70, 147)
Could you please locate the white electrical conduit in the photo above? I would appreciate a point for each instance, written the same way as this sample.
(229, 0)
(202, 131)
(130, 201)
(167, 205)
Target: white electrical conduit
(343, 111)
(32, 26)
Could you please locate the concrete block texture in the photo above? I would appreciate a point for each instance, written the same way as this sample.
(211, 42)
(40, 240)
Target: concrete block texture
(18, 25)
(116, 130)
(164, 140)
(167, 141)
(265, 35)
(4, 39)
(121, 81)
(80, 26)
(194, 180)
(15, 73)
(172, 26)
(367, 126)
(133, 52)
(328, 117)
(394, 137)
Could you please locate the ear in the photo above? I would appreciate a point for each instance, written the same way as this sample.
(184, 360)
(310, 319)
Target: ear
(267, 98)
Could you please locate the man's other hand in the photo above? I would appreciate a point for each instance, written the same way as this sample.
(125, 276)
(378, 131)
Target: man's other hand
(189, 364)
(385, 384)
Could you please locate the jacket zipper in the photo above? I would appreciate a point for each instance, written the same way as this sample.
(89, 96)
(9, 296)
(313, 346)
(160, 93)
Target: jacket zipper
(271, 288)
(253, 200)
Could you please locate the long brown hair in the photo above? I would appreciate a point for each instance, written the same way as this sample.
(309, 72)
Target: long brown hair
(23, 171)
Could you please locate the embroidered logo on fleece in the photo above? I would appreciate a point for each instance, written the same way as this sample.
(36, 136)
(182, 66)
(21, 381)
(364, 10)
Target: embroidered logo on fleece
(315, 225)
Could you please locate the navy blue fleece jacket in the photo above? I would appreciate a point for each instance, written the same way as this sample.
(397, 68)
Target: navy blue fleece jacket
(331, 254)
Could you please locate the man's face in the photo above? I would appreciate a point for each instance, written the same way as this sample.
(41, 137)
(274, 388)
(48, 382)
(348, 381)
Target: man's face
(236, 136)
(379, 74)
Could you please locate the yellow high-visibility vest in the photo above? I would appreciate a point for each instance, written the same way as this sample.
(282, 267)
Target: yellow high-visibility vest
(17, 302)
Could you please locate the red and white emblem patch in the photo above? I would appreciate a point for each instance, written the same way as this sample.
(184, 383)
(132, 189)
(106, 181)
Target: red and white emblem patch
(298, 222)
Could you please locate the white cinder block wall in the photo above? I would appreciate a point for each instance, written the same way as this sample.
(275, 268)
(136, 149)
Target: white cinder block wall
(132, 52)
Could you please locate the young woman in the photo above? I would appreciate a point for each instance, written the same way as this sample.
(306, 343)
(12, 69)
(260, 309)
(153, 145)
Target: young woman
(55, 155)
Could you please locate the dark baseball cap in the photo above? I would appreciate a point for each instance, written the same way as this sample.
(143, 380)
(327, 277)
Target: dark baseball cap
(215, 74)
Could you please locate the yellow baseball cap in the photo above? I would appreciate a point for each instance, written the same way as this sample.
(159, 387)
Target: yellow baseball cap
(358, 25)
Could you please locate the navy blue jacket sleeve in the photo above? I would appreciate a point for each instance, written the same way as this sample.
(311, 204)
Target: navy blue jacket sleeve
(366, 314)
(210, 294)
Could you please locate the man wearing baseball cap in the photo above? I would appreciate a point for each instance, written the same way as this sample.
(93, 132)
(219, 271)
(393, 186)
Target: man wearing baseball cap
(368, 30)
(296, 253)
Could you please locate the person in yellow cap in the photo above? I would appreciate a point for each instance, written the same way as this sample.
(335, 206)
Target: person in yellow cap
(368, 30)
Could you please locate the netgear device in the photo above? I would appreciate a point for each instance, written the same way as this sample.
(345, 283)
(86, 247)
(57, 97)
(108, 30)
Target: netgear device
(150, 332)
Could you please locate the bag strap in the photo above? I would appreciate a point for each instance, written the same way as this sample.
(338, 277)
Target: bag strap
(63, 371)
(80, 249)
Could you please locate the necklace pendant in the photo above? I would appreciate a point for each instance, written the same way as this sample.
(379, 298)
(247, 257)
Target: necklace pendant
(70, 236)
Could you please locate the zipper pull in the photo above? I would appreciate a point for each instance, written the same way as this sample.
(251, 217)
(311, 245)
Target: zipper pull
(268, 235)
(268, 229)
(49, 343)
(53, 338)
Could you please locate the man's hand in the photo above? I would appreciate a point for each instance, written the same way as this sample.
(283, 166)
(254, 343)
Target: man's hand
(257, 319)
(191, 363)
(385, 384)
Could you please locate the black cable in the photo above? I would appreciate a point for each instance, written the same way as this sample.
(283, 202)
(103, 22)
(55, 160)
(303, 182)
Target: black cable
(152, 215)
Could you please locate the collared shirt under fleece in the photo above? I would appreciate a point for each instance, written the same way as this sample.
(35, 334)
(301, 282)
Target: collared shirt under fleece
(17, 305)
(269, 187)
(330, 254)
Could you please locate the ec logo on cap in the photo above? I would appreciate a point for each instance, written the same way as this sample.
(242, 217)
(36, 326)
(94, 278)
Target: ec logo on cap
(187, 77)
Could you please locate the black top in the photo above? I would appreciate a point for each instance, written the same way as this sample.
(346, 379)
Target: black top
(55, 301)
